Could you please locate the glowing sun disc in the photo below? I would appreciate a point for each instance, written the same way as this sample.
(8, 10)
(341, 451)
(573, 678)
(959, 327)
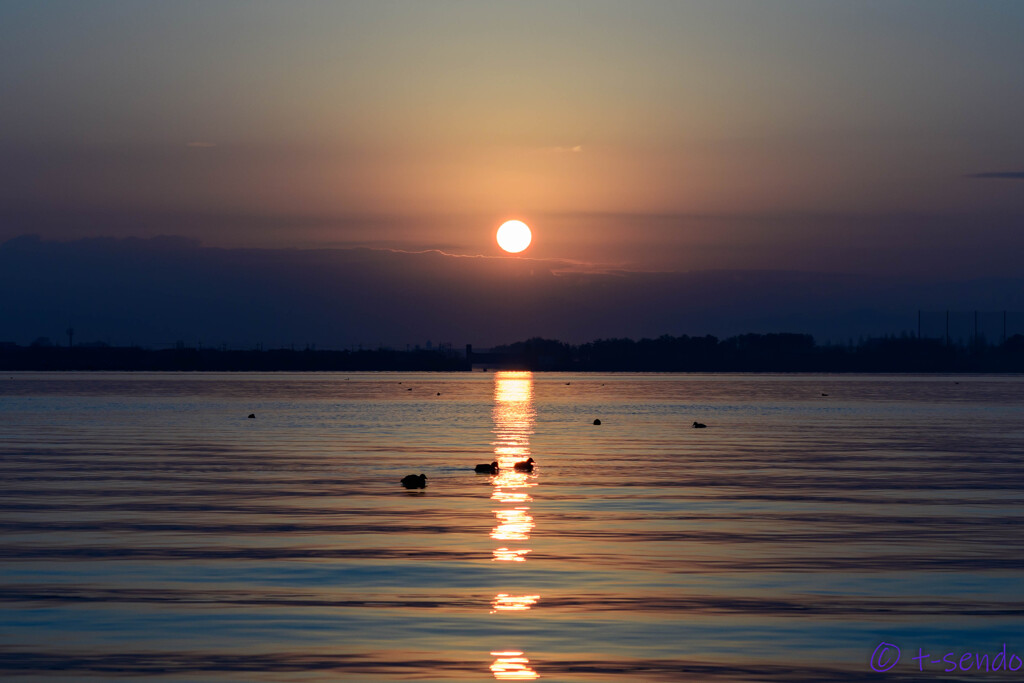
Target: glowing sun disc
(514, 236)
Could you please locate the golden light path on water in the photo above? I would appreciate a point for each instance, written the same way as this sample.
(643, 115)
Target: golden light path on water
(512, 666)
(503, 602)
(515, 525)
(513, 426)
(506, 555)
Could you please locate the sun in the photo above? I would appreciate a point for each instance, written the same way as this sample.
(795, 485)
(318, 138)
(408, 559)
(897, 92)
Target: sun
(514, 236)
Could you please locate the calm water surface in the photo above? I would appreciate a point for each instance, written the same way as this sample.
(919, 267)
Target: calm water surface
(148, 529)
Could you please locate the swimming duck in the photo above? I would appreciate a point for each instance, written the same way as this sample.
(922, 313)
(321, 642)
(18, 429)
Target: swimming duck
(524, 465)
(487, 469)
(699, 425)
(415, 481)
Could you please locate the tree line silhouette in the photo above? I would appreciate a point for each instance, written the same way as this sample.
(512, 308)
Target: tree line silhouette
(784, 352)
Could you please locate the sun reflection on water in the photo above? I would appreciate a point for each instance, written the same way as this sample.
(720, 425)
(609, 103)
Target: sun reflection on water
(506, 555)
(503, 602)
(513, 426)
(512, 666)
(515, 525)
(503, 496)
(513, 386)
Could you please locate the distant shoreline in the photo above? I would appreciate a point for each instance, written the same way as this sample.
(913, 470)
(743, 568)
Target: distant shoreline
(746, 353)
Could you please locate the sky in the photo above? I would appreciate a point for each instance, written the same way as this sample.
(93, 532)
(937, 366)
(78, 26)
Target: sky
(880, 143)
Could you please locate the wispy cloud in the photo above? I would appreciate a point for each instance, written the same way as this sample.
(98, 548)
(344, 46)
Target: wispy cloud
(559, 149)
(553, 265)
(1004, 175)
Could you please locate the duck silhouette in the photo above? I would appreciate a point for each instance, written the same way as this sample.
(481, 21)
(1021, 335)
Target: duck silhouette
(487, 469)
(699, 425)
(415, 481)
(524, 465)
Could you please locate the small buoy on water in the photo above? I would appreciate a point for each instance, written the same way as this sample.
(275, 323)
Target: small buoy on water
(597, 422)
(252, 416)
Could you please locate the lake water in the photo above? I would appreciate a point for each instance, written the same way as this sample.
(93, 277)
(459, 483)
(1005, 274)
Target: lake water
(149, 530)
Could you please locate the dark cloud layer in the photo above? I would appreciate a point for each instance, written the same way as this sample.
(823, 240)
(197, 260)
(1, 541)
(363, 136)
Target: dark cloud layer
(157, 291)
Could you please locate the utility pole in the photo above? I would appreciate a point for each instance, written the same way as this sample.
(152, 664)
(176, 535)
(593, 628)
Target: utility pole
(1004, 327)
(71, 336)
(947, 327)
(919, 324)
